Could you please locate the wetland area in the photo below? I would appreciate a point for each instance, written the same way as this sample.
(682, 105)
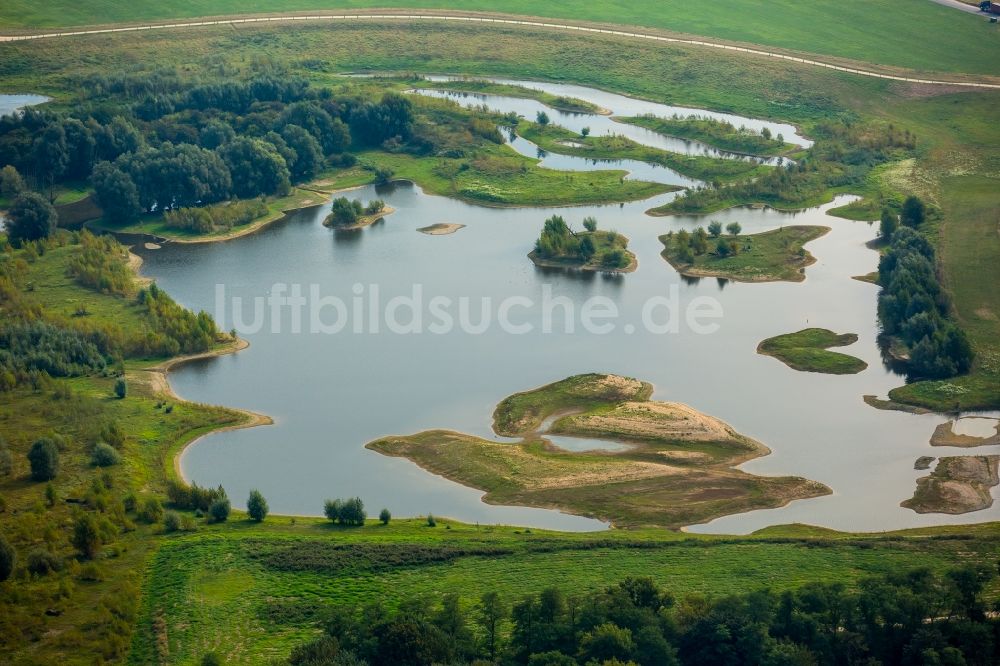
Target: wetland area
(329, 397)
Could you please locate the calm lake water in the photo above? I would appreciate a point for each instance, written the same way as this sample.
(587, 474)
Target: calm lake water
(11, 103)
(331, 393)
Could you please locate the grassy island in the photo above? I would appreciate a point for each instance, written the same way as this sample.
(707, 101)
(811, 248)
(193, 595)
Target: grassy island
(717, 133)
(557, 139)
(678, 470)
(807, 350)
(958, 484)
(771, 256)
(589, 250)
(485, 87)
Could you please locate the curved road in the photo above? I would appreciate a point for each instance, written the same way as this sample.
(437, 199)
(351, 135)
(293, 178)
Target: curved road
(434, 16)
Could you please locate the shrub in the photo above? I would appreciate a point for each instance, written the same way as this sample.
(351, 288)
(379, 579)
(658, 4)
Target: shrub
(104, 455)
(44, 459)
(171, 521)
(352, 512)
(6, 460)
(8, 558)
(331, 509)
(256, 506)
(374, 207)
(430, 520)
(86, 535)
(385, 516)
(151, 510)
(590, 223)
(41, 562)
(121, 388)
(219, 510)
(734, 228)
(914, 212)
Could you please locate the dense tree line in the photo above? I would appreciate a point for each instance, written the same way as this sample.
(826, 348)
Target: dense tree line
(914, 309)
(914, 617)
(159, 145)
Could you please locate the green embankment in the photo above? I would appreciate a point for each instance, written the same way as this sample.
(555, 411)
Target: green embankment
(714, 133)
(501, 177)
(777, 255)
(560, 140)
(926, 36)
(807, 350)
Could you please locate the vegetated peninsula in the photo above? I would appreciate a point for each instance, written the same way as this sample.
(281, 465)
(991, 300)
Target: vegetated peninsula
(352, 214)
(589, 250)
(807, 350)
(557, 139)
(771, 256)
(958, 484)
(486, 87)
(718, 133)
(680, 467)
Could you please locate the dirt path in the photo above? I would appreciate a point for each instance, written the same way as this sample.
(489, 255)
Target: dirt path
(505, 20)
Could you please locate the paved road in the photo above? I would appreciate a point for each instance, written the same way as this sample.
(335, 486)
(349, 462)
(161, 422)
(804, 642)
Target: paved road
(436, 16)
(955, 4)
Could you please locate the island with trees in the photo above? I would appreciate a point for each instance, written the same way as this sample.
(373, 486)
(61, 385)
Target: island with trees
(352, 214)
(559, 246)
(771, 256)
(679, 468)
(808, 351)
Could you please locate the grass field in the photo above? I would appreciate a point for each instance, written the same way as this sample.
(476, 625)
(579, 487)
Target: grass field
(921, 35)
(234, 590)
(807, 350)
(771, 256)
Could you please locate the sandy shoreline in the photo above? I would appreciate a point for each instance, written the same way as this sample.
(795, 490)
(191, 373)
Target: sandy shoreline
(155, 377)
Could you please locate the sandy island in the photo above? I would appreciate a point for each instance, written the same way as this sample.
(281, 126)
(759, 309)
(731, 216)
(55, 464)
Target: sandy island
(441, 228)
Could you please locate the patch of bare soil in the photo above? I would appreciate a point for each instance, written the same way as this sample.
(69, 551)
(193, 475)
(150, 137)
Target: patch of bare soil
(959, 484)
(945, 435)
